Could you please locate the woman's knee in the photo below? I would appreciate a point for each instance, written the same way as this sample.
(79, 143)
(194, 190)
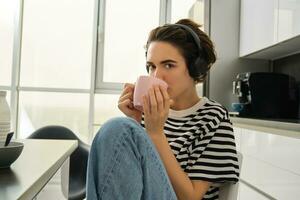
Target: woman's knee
(116, 128)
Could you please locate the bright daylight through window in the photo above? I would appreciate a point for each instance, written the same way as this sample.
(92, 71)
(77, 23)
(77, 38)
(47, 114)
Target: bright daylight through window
(63, 68)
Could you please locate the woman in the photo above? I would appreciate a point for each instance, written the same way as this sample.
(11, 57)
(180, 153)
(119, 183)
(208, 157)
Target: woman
(185, 147)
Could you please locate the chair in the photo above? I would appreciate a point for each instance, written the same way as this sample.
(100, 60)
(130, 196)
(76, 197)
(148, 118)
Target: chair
(229, 191)
(78, 159)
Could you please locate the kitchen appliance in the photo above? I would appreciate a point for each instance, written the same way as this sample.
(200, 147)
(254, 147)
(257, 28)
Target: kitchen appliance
(266, 95)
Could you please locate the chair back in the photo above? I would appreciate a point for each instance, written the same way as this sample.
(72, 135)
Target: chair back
(229, 191)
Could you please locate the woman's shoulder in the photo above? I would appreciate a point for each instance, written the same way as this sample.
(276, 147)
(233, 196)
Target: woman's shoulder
(204, 108)
(214, 108)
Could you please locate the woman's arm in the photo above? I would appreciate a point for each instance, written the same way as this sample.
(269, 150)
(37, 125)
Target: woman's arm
(156, 108)
(185, 188)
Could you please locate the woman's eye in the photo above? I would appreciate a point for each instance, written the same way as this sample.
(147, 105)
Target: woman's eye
(150, 68)
(168, 66)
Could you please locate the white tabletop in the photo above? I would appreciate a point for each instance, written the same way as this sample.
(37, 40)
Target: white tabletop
(36, 165)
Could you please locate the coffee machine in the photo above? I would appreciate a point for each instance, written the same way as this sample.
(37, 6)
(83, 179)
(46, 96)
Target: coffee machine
(266, 95)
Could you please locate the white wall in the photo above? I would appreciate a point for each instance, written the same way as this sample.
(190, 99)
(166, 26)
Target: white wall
(224, 32)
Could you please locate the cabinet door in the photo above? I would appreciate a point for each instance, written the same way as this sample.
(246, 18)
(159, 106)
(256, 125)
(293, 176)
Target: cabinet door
(258, 25)
(288, 19)
(247, 193)
(271, 163)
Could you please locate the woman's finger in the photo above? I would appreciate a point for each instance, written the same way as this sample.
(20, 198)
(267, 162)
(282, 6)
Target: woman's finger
(125, 104)
(152, 99)
(165, 97)
(159, 98)
(126, 96)
(146, 106)
(128, 85)
(127, 88)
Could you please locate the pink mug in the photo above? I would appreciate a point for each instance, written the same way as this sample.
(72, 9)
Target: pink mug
(142, 85)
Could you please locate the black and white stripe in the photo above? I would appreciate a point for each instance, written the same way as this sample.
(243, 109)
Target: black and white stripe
(202, 141)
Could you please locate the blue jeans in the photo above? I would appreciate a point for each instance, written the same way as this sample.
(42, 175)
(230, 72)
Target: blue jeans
(124, 164)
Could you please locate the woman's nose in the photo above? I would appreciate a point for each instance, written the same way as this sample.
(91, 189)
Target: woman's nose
(158, 74)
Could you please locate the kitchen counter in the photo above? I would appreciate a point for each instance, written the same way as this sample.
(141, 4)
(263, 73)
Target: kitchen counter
(38, 162)
(289, 128)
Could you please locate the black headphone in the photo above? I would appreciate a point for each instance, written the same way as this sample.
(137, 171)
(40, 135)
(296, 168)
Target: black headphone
(199, 67)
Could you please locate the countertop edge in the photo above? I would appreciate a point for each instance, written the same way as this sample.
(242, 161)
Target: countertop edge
(273, 127)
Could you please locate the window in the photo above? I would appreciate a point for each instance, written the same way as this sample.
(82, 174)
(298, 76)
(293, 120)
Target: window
(192, 9)
(55, 65)
(127, 24)
(7, 9)
(181, 9)
(106, 107)
(58, 50)
(38, 109)
(57, 47)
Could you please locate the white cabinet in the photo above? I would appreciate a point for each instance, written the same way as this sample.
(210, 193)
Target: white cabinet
(258, 25)
(269, 29)
(288, 19)
(247, 193)
(270, 163)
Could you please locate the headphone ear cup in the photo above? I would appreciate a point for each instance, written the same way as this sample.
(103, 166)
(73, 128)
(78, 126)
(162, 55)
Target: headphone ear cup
(199, 67)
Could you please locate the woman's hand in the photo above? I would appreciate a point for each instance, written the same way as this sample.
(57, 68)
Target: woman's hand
(156, 106)
(125, 103)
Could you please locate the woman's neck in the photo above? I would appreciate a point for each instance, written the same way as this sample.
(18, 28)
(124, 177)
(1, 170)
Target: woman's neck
(186, 101)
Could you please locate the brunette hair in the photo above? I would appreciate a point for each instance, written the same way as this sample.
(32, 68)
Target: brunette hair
(182, 39)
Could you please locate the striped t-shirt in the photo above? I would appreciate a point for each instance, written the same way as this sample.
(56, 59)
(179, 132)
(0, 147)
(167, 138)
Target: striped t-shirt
(202, 140)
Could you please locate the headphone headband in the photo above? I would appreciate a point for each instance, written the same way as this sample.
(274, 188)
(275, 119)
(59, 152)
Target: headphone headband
(194, 35)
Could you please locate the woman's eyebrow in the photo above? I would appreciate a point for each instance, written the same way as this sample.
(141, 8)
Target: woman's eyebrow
(168, 61)
(162, 62)
(151, 63)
